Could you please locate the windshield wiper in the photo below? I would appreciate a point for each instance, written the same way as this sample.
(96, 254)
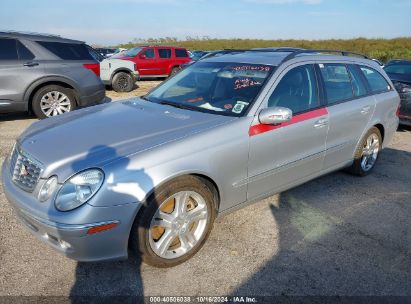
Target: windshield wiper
(177, 105)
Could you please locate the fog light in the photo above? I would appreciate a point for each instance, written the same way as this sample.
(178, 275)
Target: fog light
(47, 189)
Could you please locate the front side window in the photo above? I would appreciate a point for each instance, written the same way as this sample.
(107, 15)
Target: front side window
(67, 51)
(375, 80)
(337, 82)
(149, 53)
(297, 90)
(8, 49)
(164, 53)
(216, 87)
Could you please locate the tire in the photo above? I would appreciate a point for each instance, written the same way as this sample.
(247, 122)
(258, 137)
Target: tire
(43, 107)
(178, 246)
(360, 166)
(122, 82)
(174, 71)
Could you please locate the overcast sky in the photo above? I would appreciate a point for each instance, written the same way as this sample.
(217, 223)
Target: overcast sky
(118, 21)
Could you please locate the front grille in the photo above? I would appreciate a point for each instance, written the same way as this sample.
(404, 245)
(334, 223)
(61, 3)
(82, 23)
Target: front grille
(24, 170)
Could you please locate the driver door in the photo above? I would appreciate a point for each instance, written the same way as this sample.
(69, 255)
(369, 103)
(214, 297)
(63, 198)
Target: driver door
(282, 155)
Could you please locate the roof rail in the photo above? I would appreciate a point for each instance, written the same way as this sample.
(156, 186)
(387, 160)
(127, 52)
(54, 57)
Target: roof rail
(28, 33)
(311, 51)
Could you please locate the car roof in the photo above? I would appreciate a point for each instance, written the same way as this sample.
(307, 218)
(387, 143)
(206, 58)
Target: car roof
(277, 56)
(37, 37)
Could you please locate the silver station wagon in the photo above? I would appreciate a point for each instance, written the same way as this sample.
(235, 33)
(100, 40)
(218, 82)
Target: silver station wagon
(150, 175)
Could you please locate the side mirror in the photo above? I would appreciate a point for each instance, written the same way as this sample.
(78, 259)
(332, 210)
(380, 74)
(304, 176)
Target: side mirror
(143, 56)
(275, 115)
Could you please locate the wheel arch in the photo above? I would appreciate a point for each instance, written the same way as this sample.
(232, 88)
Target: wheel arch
(118, 70)
(37, 85)
(381, 128)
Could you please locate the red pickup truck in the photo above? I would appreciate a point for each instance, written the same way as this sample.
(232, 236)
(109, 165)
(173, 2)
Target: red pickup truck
(156, 61)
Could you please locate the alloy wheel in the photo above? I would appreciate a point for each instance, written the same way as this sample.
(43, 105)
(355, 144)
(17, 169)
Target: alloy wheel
(178, 225)
(370, 152)
(55, 103)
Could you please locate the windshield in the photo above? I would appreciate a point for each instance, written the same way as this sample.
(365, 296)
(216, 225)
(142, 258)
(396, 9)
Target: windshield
(132, 52)
(221, 88)
(404, 69)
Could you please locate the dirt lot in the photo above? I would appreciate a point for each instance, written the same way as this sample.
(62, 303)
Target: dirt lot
(337, 235)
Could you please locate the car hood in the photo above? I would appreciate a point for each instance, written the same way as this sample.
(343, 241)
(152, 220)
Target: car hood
(95, 136)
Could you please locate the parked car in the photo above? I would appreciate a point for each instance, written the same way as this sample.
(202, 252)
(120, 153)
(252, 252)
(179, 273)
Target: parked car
(400, 73)
(155, 172)
(47, 75)
(120, 74)
(156, 61)
(196, 55)
(106, 52)
(380, 63)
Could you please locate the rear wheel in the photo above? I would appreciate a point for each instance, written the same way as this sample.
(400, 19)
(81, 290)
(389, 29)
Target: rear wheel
(176, 222)
(122, 82)
(53, 100)
(174, 71)
(367, 153)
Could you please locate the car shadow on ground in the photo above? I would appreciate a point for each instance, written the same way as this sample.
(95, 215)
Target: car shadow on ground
(357, 242)
(344, 245)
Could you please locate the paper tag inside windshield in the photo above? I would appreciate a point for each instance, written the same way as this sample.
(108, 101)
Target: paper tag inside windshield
(239, 107)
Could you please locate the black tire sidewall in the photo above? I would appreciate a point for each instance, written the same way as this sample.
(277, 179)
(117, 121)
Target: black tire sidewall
(35, 104)
(140, 232)
(117, 88)
(174, 71)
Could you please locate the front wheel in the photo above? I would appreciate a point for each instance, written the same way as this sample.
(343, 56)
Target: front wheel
(175, 224)
(122, 82)
(367, 153)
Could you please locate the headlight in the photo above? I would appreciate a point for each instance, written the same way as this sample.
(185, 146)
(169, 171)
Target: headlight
(47, 189)
(79, 189)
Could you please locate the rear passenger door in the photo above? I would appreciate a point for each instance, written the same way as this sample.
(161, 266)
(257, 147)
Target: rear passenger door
(350, 106)
(18, 69)
(165, 60)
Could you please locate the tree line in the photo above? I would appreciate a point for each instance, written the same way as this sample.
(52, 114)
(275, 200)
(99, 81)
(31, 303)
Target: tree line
(382, 49)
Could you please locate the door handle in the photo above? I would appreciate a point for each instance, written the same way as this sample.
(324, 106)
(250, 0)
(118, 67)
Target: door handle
(30, 64)
(321, 123)
(365, 109)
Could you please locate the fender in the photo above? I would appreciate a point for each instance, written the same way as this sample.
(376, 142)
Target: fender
(51, 78)
(121, 69)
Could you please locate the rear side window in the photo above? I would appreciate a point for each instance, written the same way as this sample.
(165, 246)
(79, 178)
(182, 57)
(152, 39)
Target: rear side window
(181, 53)
(8, 49)
(23, 52)
(337, 82)
(375, 80)
(164, 53)
(297, 90)
(67, 51)
(358, 84)
(149, 53)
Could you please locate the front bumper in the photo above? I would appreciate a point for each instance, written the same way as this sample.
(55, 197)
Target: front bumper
(68, 236)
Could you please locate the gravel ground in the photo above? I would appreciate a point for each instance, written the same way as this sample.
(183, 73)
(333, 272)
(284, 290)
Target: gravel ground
(337, 235)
